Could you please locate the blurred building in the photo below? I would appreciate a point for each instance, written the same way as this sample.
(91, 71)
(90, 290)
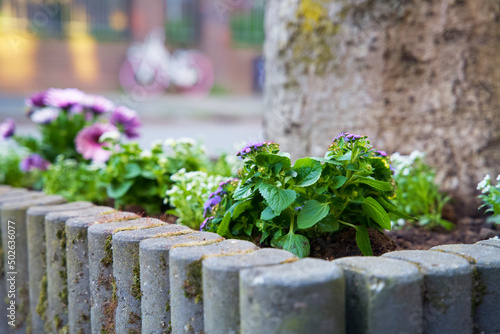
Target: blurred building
(82, 43)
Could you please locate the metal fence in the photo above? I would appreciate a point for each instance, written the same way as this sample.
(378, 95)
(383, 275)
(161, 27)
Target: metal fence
(182, 21)
(247, 23)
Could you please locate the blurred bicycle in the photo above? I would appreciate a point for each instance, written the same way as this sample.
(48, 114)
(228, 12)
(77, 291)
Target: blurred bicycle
(150, 68)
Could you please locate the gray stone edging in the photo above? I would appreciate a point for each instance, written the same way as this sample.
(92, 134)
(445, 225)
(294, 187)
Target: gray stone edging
(83, 264)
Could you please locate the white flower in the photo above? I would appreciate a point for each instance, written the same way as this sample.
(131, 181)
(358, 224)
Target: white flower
(484, 182)
(109, 136)
(146, 154)
(486, 189)
(170, 142)
(186, 140)
(498, 178)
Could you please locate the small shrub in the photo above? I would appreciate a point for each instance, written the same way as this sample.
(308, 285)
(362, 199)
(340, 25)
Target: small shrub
(417, 193)
(284, 205)
(490, 195)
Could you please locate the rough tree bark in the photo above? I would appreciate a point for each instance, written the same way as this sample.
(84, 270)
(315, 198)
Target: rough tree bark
(410, 74)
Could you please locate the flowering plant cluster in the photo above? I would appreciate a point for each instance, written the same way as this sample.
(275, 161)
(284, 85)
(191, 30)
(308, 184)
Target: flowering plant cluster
(188, 194)
(490, 195)
(418, 194)
(284, 205)
(142, 177)
(71, 124)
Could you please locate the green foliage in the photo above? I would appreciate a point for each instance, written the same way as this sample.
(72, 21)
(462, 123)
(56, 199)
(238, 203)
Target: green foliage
(417, 193)
(284, 205)
(10, 172)
(188, 193)
(141, 177)
(75, 181)
(490, 195)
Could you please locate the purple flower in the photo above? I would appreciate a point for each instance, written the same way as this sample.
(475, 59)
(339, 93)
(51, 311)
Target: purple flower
(32, 162)
(7, 128)
(253, 147)
(381, 153)
(36, 100)
(204, 223)
(98, 104)
(88, 145)
(63, 98)
(347, 136)
(126, 119)
(212, 201)
(45, 115)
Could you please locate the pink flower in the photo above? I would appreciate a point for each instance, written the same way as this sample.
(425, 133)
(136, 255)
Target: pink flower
(98, 104)
(7, 128)
(45, 115)
(33, 161)
(127, 120)
(88, 145)
(63, 98)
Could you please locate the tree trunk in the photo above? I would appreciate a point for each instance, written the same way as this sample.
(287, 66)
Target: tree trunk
(412, 75)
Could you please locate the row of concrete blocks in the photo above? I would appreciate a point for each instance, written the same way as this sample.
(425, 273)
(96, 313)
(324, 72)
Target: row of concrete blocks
(81, 268)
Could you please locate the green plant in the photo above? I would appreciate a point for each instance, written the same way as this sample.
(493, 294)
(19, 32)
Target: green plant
(188, 194)
(284, 205)
(75, 181)
(10, 171)
(490, 195)
(141, 177)
(417, 193)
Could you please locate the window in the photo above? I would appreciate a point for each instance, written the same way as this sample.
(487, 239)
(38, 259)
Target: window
(182, 24)
(247, 23)
(59, 18)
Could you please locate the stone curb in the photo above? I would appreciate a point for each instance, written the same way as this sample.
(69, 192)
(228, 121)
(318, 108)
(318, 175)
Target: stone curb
(125, 272)
(15, 212)
(37, 259)
(186, 289)
(57, 283)
(78, 267)
(485, 261)
(155, 277)
(221, 286)
(304, 296)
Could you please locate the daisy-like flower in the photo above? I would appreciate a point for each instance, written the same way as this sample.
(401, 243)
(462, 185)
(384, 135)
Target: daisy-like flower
(98, 104)
(63, 98)
(32, 162)
(380, 153)
(36, 100)
(347, 136)
(126, 120)
(45, 115)
(7, 128)
(88, 142)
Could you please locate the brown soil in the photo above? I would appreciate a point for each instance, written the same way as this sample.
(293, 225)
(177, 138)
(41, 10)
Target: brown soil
(343, 244)
(467, 231)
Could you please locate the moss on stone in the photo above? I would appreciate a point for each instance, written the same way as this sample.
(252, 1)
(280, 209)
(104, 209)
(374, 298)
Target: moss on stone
(63, 295)
(135, 289)
(80, 236)
(193, 287)
(57, 322)
(41, 307)
(108, 249)
(478, 290)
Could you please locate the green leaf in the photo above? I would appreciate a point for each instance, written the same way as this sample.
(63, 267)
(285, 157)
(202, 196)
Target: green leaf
(223, 229)
(380, 185)
(277, 198)
(308, 172)
(363, 240)
(328, 224)
(118, 189)
(148, 174)
(325, 160)
(266, 159)
(338, 181)
(376, 212)
(267, 214)
(242, 192)
(311, 213)
(294, 243)
(132, 170)
(241, 207)
(389, 206)
(345, 157)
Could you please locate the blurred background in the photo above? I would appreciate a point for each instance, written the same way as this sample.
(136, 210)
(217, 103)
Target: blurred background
(83, 44)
